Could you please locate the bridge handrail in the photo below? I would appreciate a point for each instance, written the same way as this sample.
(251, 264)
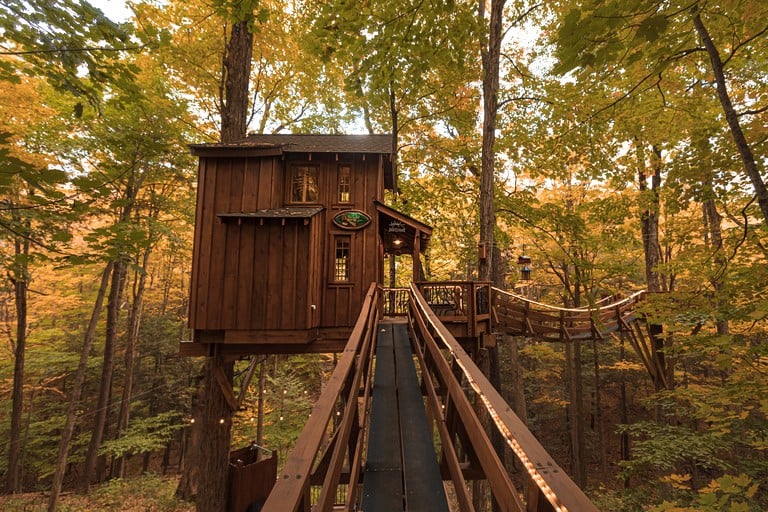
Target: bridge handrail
(623, 302)
(291, 491)
(552, 482)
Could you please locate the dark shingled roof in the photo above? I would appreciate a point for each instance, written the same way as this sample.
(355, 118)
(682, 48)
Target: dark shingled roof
(325, 143)
(257, 145)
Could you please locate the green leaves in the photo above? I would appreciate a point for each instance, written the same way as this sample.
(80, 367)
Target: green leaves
(144, 435)
(69, 42)
(653, 27)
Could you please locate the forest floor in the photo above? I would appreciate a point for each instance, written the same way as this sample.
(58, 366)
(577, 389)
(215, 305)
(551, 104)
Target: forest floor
(149, 493)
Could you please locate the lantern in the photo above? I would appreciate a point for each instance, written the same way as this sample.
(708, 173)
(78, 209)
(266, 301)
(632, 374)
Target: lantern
(524, 262)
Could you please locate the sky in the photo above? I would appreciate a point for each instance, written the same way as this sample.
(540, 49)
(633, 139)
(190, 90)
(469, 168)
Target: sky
(116, 10)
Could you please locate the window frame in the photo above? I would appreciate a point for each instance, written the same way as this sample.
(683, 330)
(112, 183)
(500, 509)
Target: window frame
(346, 279)
(293, 175)
(340, 184)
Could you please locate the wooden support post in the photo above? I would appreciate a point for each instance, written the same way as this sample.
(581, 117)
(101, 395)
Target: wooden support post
(225, 385)
(246, 381)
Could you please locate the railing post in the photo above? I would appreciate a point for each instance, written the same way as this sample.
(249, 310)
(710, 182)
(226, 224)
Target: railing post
(472, 308)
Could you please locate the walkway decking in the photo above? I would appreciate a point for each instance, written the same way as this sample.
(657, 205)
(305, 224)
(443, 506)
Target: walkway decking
(401, 472)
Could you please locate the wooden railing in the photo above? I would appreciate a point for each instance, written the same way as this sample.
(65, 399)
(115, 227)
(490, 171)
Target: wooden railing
(348, 392)
(460, 302)
(448, 376)
(518, 315)
(395, 301)
(455, 388)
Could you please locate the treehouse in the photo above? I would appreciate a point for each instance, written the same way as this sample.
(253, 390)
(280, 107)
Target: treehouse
(290, 231)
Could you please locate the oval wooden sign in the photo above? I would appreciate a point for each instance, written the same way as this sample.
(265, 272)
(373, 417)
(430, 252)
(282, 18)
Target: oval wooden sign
(351, 219)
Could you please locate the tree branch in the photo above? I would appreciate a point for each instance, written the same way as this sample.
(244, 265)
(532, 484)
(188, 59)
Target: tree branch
(87, 49)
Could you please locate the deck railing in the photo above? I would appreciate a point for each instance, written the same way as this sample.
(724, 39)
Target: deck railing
(451, 377)
(395, 301)
(348, 392)
(459, 302)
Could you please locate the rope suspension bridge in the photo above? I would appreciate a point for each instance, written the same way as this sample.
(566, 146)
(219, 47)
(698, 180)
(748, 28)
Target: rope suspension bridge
(409, 413)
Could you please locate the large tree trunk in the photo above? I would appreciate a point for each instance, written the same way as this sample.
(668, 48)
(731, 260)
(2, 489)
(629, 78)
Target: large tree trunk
(205, 470)
(107, 368)
(731, 116)
(77, 391)
(237, 70)
(486, 270)
(490, 55)
(19, 283)
(214, 427)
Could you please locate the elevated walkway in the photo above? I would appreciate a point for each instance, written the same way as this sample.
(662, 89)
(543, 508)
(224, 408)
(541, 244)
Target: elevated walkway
(405, 432)
(402, 471)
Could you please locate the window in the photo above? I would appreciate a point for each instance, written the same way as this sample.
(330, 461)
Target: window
(304, 184)
(341, 259)
(344, 183)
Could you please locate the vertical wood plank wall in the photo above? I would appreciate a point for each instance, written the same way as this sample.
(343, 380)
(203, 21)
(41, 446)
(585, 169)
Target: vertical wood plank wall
(255, 275)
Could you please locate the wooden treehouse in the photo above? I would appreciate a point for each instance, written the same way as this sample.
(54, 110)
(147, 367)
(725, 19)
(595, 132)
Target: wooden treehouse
(290, 231)
(291, 236)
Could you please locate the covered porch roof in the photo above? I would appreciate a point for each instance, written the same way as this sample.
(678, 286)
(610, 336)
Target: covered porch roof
(400, 233)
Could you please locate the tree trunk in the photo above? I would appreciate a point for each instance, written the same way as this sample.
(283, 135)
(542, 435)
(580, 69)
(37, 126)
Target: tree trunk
(134, 324)
(652, 252)
(490, 55)
(77, 391)
(237, 70)
(481, 489)
(393, 114)
(599, 411)
(714, 239)
(19, 282)
(576, 412)
(17, 408)
(517, 383)
(215, 425)
(624, 410)
(731, 116)
(260, 405)
(486, 270)
(205, 469)
(107, 368)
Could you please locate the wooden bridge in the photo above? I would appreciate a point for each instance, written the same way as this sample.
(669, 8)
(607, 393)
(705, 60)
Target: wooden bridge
(520, 316)
(404, 404)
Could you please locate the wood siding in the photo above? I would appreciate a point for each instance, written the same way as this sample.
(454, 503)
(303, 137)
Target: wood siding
(254, 276)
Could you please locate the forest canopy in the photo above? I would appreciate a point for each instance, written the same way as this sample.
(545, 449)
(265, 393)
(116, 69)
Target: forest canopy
(631, 152)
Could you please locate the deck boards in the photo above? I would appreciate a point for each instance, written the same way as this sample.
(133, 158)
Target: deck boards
(422, 480)
(402, 471)
(383, 480)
